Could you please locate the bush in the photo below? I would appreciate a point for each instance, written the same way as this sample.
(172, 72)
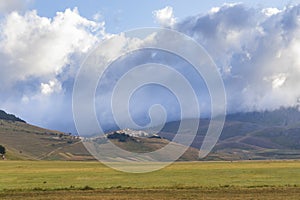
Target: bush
(2, 150)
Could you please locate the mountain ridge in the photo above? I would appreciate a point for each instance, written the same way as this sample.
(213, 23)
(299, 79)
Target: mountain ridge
(10, 117)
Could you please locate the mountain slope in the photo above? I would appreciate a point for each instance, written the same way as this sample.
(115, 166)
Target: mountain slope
(254, 135)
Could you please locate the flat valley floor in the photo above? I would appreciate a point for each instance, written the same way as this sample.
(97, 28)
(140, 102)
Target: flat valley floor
(181, 180)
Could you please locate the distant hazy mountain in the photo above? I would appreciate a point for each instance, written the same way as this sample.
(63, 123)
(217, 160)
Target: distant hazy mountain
(253, 135)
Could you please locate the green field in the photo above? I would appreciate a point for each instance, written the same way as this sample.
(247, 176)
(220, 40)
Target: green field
(182, 180)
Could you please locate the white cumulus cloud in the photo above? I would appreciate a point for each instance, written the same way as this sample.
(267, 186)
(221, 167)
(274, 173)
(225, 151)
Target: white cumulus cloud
(34, 46)
(50, 87)
(271, 11)
(165, 17)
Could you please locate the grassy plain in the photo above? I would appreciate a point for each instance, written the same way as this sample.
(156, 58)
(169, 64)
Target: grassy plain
(181, 180)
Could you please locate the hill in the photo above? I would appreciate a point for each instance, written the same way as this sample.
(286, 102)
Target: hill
(27, 142)
(144, 142)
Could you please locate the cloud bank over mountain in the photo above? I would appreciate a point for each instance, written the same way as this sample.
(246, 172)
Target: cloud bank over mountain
(256, 50)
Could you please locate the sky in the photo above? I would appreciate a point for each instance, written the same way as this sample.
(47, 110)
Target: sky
(255, 45)
(120, 16)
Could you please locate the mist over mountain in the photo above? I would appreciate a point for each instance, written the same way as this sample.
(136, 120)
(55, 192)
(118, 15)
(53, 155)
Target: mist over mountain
(279, 117)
